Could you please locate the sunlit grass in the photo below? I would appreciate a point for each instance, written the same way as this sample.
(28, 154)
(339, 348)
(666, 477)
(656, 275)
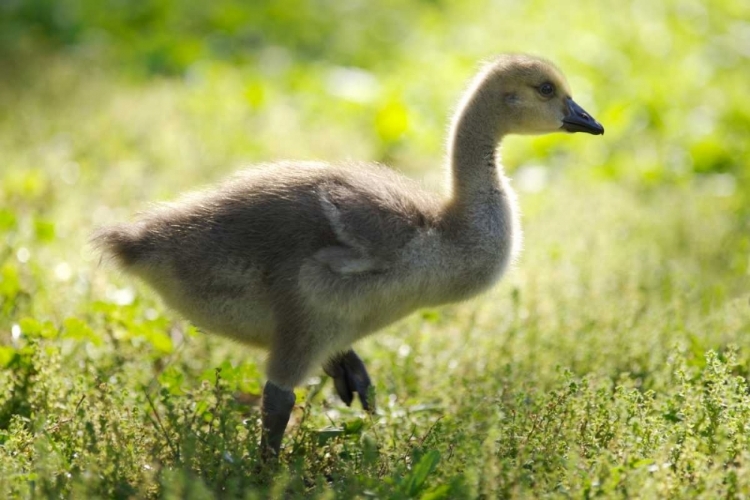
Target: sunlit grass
(590, 369)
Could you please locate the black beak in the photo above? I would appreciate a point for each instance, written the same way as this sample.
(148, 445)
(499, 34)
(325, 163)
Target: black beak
(577, 120)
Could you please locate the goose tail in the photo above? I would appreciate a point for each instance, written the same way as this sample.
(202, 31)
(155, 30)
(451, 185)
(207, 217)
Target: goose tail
(126, 244)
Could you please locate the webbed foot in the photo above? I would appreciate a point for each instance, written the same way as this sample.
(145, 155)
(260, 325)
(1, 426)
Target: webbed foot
(350, 377)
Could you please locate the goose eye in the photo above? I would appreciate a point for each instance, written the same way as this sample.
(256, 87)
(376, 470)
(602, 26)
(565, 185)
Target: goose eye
(547, 89)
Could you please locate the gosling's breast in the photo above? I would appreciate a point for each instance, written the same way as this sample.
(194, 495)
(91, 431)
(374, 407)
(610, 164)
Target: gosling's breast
(475, 257)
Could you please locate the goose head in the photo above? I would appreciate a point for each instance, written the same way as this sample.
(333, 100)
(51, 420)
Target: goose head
(535, 97)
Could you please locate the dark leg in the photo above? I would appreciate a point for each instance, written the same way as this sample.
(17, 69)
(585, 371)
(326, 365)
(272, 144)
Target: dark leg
(276, 408)
(350, 376)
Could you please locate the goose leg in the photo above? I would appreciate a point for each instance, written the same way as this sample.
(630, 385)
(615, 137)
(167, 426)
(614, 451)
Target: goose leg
(276, 408)
(350, 376)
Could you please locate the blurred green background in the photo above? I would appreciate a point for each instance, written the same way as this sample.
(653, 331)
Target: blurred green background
(668, 78)
(637, 258)
(107, 105)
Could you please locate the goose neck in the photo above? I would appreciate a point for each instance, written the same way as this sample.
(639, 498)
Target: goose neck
(473, 156)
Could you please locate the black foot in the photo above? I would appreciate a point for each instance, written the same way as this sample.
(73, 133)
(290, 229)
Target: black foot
(350, 376)
(276, 408)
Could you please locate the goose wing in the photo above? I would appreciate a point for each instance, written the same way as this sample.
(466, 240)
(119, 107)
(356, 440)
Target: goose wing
(372, 223)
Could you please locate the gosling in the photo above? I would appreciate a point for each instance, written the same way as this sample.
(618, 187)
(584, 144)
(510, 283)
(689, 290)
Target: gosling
(305, 258)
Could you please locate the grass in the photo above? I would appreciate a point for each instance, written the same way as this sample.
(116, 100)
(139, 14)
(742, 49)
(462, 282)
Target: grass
(611, 362)
(608, 363)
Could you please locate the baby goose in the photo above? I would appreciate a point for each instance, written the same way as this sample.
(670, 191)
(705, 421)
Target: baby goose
(305, 258)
